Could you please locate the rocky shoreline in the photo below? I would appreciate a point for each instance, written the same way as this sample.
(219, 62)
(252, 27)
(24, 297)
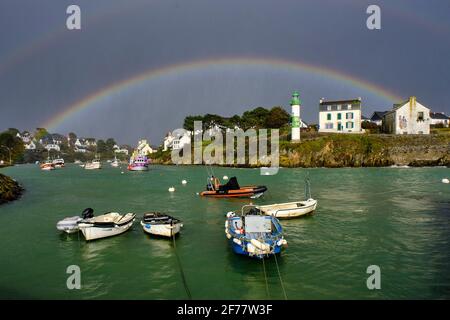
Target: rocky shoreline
(9, 189)
(339, 151)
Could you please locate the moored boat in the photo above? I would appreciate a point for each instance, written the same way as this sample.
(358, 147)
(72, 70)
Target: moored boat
(231, 189)
(115, 163)
(93, 165)
(58, 163)
(106, 225)
(253, 234)
(293, 209)
(47, 165)
(70, 224)
(160, 224)
(138, 163)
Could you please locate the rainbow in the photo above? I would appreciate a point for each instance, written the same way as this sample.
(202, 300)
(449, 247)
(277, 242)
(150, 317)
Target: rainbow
(120, 86)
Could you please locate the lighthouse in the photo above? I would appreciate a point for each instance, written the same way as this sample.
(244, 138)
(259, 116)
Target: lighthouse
(295, 117)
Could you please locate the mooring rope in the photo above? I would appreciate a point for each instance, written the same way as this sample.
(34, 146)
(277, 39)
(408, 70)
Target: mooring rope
(279, 275)
(265, 278)
(183, 277)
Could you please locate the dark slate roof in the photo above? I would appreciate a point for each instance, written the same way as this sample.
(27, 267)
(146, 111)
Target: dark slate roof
(438, 115)
(377, 115)
(323, 102)
(364, 118)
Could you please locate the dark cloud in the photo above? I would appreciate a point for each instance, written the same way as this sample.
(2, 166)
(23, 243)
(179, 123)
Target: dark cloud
(44, 68)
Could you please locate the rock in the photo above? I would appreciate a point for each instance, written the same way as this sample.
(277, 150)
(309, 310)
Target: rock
(9, 189)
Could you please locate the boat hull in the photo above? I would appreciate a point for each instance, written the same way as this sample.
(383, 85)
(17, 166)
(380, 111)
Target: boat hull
(137, 168)
(162, 230)
(243, 192)
(92, 166)
(93, 232)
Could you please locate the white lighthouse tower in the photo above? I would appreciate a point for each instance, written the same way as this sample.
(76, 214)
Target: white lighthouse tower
(295, 117)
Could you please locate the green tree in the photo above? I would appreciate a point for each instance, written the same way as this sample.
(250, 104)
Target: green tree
(189, 122)
(40, 133)
(277, 117)
(10, 145)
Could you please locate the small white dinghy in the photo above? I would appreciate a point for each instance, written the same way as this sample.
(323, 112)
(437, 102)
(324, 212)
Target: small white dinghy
(160, 224)
(70, 224)
(107, 225)
(291, 210)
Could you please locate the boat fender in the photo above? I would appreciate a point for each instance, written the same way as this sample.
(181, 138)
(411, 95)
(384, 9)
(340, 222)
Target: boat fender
(228, 236)
(237, 241)
(230, 214)
(260, 245)
(445, 180)
(251, 248)
(183, 181)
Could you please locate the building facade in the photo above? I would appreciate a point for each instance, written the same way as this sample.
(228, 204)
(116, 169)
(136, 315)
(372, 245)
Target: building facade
(409, 117)
(341, 116)
(439, 118)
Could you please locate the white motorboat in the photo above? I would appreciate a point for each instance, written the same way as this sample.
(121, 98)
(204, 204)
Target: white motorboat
(107, 225)
(70, 224)
(47, 165)
(160, 224)
(291, 210)
(115, 163)
(58, 163)
(94, 164)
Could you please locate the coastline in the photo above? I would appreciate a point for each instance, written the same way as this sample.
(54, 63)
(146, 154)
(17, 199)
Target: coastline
(10, 189)
(343, 151)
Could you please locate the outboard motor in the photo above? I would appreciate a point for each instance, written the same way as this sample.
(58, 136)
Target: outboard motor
(87, 213)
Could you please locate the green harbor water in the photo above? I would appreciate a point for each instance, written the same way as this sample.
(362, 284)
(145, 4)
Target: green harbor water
(396, 218)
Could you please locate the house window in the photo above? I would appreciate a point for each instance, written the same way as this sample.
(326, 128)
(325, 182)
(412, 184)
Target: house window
(349, 125)
(328, 116)
(328, 108)
(339, 116)
(339, 107)
(349, 107)
(339, 127)
(420, 116)
(328, 126)
(349, 115)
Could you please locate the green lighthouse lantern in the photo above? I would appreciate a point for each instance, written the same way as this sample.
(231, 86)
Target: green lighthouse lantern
(295, 101)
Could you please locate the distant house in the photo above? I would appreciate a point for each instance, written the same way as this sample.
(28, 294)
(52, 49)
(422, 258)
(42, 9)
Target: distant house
(122, 150)
(176, 142)
(408, 117)
(30, 146)
(52, 146)
(25, 136)
(439, 118)
(144, 148)
(340, 116)
(79, 149)
(377, 117)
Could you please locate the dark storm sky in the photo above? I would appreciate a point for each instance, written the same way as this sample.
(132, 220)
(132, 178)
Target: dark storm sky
(44, 68)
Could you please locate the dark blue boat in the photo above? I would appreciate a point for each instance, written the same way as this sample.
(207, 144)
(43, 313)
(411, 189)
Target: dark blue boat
(253, 234)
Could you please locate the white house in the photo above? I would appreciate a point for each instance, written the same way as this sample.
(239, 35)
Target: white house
(439, 118)
(342, 116)
(30, 146)
(52, 146)
(176, 142)
(409, 117)
(144, 148)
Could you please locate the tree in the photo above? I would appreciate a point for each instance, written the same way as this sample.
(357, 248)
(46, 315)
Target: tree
(40, 133)
(189, 122)
(277, 117)
(72, 138)
(11, 146)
